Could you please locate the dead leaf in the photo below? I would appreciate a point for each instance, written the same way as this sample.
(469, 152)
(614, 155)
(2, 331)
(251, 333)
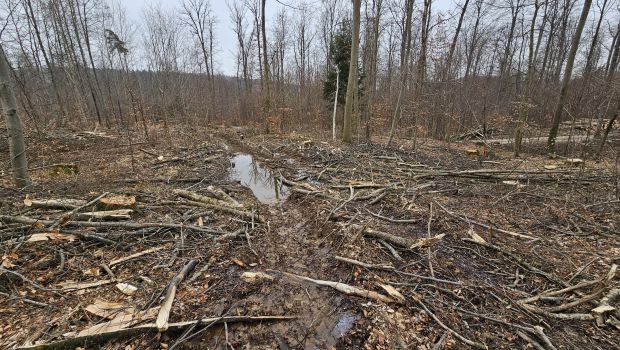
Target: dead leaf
(27, 201)
(7, 260)
(200, 222)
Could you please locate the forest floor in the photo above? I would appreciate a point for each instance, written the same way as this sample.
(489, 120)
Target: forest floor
(363, 246)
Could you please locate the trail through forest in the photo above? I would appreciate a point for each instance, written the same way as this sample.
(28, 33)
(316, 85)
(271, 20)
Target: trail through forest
(231, 239)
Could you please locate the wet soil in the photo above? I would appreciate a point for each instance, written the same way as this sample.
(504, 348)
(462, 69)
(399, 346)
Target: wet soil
(576, 239)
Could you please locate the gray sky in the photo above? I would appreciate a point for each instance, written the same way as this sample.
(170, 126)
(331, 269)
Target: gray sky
(225, 38)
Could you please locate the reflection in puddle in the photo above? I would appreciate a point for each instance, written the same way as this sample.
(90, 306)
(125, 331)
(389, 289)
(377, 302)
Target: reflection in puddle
(261, 181)
(345, 323)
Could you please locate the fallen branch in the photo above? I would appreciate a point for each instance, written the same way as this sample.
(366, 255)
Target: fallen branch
(391, 268)
(469, 221)
(133, 256)
(129, 225)
(363, 264)
(166, 305)
(119, 214)
(442, 325)
(400, 241)
(149, 327)
(520, 261)
(344, 288)
(69, 215)
(193, 196)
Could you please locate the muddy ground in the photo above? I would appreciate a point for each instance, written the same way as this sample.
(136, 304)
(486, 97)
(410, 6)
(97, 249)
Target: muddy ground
(509, 229)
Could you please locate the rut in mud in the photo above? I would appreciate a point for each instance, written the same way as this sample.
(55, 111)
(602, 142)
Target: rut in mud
(443, 251)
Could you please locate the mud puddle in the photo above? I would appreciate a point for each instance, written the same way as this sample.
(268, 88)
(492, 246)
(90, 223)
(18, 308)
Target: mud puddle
(262, 181)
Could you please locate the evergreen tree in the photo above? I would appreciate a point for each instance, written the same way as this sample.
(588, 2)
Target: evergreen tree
(340, 55)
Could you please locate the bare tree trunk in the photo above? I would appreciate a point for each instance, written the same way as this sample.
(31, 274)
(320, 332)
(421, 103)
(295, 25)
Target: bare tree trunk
(17, 146)
(404, 68)
(352, 82)
(266, 92)
(557, 115)
(335, 103)
(48, 64)
(374, 51)
(524, 107)
(448, 64)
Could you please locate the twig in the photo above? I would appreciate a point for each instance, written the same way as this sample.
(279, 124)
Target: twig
(531, 341)
(460, 337)
(469, 221)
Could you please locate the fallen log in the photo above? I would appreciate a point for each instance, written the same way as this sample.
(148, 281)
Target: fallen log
(54, 203)
(103, 336)
(166, 305)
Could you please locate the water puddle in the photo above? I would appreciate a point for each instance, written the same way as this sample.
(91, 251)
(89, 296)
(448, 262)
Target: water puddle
(263, 183)
(344, 324)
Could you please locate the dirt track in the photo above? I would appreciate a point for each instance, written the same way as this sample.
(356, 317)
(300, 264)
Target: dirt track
(568, 214)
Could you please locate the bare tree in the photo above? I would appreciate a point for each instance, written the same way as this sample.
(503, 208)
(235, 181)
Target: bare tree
(200, 20)
(404, 68)
(559, 108)
(17, 146)
(352, 83)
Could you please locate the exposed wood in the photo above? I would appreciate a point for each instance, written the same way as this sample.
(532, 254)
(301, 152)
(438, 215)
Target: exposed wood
(135, 255)
(54, 203)
(166, 305)
(118, 214)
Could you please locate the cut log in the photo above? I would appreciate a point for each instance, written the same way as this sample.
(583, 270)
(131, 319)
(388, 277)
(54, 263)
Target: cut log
(117, 201)
(54, 203)
(164, 312)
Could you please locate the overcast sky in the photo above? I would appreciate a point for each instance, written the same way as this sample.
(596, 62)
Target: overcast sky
(225, 38)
